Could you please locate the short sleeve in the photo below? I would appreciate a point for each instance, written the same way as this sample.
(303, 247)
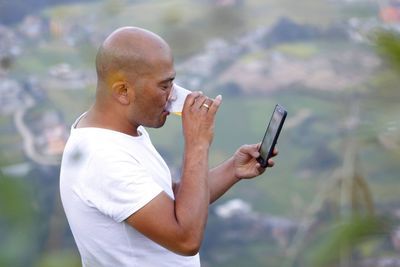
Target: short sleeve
(117, 185)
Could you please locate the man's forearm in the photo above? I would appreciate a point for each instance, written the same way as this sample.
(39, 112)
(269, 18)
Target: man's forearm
(192, 194)
(221, 179)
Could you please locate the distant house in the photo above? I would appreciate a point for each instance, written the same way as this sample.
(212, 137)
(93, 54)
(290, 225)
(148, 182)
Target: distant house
(33, 27)
(11, 96)
(390, 12)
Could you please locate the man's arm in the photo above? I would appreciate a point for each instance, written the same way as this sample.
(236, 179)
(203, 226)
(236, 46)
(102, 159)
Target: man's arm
(179, 224)
(242, 165)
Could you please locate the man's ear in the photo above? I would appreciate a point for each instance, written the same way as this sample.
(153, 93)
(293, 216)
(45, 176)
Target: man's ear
(120, 92)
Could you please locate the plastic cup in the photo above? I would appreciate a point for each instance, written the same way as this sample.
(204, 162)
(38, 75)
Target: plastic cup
(177, 99)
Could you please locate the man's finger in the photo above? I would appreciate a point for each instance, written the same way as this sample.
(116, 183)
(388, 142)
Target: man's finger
(260, 169)
(199, 102)
(271, 163)
(251, 149)
(205, 106)
(191, 98)
(215, 104)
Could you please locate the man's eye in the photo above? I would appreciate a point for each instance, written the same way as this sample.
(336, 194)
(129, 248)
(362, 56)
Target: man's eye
(166, 86)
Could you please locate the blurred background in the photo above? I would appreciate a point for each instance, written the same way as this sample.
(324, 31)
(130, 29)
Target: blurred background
(332, 198)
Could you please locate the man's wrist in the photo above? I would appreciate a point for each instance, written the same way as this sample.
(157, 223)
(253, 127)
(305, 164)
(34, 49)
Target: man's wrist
(231, 166)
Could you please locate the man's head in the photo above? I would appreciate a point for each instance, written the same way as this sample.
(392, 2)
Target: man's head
(135, 73)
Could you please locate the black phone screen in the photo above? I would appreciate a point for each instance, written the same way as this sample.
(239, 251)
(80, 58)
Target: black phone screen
(271, 134)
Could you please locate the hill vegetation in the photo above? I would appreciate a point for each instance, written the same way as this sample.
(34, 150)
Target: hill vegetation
(338, 152)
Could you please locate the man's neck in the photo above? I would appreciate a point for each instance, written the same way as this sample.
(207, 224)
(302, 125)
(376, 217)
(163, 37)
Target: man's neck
(95, 118)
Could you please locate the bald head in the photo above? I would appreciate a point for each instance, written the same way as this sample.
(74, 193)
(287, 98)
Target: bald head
(128, 51)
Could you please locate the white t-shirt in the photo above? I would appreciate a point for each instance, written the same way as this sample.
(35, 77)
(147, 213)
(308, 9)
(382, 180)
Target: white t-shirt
(105, 177)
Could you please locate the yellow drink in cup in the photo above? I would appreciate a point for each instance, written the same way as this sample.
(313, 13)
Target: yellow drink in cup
(177, 99)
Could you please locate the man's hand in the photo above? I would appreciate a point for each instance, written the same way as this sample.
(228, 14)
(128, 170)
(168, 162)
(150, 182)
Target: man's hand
(198, 119)
(242, 165)
(245, 162)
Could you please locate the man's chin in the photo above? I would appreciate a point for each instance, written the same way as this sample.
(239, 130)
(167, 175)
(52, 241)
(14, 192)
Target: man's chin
(157, 124)
(160, 125)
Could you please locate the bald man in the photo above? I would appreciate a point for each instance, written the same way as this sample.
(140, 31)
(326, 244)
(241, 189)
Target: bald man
(116, 190)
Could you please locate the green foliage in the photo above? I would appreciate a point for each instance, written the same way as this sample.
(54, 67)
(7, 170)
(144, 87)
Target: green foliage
(16, 218)
(388, 45)
(64, 258)
(13, 201)
(344, 238)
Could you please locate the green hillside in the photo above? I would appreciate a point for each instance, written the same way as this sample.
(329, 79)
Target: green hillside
(342, 116)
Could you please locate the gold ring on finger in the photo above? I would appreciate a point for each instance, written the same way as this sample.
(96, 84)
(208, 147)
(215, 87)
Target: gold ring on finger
(205, 105)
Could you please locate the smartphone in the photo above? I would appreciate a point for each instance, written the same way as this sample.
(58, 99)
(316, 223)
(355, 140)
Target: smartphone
(271, 135)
